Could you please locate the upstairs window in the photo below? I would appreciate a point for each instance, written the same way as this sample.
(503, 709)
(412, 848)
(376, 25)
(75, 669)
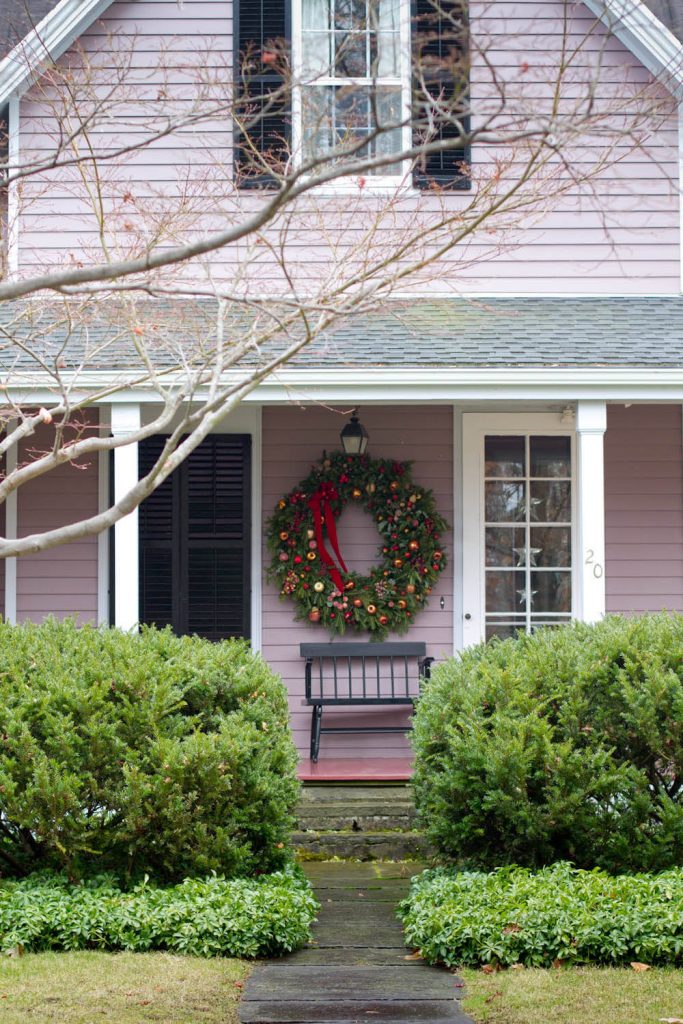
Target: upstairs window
(353, 69)
(352, 58)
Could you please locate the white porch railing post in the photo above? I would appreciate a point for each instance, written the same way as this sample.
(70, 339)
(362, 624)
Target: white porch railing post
(125, 420)
(591, 422)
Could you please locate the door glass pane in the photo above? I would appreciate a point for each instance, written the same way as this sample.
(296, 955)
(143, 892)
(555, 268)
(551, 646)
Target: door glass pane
(504, 456)
(550, 501)
(550, 546)
(504, 502)
(550, 456)
(551, 592)
(505, 591)
(505, 546)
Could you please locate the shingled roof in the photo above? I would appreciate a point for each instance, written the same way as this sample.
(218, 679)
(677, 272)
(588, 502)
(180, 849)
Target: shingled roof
(526, 332)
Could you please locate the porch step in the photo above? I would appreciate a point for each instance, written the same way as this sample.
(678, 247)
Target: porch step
(363, 822)
(361, 845)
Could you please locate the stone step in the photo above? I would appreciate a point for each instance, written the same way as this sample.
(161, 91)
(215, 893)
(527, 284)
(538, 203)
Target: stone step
(364, 845)
(362, 818)
(351, 793)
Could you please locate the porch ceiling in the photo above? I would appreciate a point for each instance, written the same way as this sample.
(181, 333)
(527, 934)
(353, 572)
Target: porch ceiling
(498, 332)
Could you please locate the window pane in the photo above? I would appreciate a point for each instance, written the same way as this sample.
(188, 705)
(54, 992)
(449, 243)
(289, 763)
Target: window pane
(550, 456)
(350, 14)
(505, 591)
(503, 630)
(505, 546)
(504, 456)
(316, 14)
(550, 501)
(316, 57)
(504, 502)
(551, 592)
(551, 545)
(350, 55)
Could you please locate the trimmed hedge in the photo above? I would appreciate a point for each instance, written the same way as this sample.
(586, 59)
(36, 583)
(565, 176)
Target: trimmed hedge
(202, 917)
(563, 745)
(140, 753)
(514, 915)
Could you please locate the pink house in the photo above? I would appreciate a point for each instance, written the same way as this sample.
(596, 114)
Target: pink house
(538, 392)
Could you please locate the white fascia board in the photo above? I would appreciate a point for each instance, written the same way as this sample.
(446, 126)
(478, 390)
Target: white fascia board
(46, 43)
(646, 37)
(387, 385)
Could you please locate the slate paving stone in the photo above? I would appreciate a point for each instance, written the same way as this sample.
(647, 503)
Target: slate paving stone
(391, 983)
(355, 970)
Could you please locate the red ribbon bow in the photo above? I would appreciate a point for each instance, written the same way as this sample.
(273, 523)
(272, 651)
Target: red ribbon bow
(319, 503)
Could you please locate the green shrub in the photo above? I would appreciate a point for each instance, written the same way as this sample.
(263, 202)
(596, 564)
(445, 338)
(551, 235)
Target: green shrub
(133, 753)
(202, 917)
(515, 915)
(564, 745)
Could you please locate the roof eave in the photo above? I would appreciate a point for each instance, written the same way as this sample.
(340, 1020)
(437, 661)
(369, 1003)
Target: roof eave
(46, 43)
(648, 39)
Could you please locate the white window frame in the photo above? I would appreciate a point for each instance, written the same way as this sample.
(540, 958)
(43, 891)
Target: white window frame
(371, 182)
(476, 427)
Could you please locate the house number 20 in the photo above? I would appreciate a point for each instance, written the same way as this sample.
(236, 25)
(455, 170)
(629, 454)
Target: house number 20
(590, 560)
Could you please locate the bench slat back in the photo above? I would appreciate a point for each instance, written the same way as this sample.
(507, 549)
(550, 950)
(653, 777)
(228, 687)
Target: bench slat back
(357, 673)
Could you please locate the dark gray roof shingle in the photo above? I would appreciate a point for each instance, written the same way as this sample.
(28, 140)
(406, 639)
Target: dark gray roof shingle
(670, 13)
(18, 18)
(531, 332)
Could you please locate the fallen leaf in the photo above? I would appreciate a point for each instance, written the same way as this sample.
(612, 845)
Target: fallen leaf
(517, 967)
(417, 955)
(557, 964)
(639, 967)
(460, 984)
(489, 969)
(494, 995)
(664, 1020)
(238, 984)
(144, 1002)
(511, 929)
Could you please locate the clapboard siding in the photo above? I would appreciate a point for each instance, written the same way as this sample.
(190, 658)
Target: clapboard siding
(620, 235)
(63, 580)
(644, 508)
(293, 438)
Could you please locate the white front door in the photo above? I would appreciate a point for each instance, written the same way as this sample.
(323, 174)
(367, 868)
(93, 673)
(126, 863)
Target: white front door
(518, 523)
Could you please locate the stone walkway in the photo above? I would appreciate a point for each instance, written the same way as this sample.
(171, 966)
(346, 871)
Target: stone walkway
(356, 968)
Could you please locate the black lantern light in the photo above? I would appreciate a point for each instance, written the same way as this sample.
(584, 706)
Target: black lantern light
(354, 436)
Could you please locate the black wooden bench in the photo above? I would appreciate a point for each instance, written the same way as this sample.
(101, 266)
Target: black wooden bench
(358, 674)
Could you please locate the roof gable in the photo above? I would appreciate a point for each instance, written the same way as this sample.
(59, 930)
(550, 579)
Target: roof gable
(645, 27)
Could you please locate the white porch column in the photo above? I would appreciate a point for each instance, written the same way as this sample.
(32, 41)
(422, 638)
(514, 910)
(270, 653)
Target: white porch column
(125, 420)
(591, 422)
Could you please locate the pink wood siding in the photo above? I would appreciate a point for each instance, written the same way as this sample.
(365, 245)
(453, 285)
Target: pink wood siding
(63, 580)
(293, 438)
(618, 234)
(644, 508)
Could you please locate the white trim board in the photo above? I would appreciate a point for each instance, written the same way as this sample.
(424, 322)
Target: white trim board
(45, 43)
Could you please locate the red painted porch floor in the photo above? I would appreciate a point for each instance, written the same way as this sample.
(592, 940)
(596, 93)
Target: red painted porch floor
(356, 769)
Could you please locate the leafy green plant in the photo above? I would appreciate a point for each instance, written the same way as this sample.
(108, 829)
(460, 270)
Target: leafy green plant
(564, 745)
(145, 752)
(515, 915)
(204, 917)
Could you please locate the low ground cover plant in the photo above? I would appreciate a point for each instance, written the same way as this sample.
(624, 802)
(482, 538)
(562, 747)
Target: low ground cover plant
(563, 745)
(202, 917)
(556, 915)
(138, 753)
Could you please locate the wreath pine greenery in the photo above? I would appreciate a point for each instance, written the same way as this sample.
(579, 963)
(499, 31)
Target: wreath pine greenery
(410, 557)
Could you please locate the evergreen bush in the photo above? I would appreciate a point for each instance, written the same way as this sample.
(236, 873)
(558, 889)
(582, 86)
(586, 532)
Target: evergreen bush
(563, 745)
(141, 753)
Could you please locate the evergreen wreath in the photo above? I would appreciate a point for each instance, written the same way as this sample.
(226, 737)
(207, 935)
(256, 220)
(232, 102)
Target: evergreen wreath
(303, 528)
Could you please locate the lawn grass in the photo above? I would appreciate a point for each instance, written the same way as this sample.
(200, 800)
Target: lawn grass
(120, 988)
(577, 995)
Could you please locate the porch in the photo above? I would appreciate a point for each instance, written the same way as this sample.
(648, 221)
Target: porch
(608, 536)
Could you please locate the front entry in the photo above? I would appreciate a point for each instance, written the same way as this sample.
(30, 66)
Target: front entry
(518, 519)
(195, 550)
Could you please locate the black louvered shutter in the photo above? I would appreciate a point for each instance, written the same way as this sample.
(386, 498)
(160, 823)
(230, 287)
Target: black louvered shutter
(260, 29)
(440, 50)
(195, 533)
